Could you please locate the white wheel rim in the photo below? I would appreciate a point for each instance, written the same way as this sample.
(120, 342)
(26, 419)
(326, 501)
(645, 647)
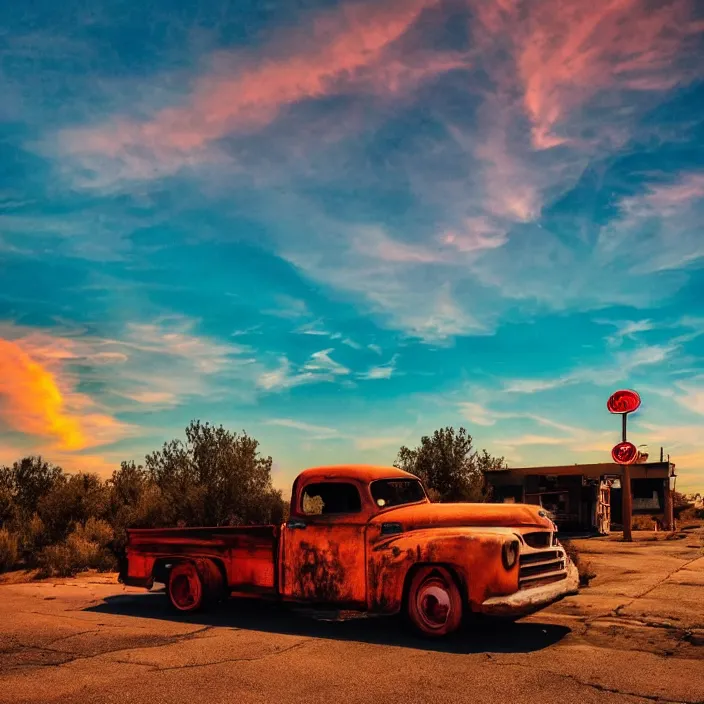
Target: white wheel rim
(434, 604)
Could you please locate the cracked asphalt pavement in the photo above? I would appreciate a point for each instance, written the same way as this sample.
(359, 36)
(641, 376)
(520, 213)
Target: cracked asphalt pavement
(635, 635)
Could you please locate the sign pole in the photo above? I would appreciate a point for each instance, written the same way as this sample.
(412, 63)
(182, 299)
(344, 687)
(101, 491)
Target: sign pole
(625, 454)
(627, 503)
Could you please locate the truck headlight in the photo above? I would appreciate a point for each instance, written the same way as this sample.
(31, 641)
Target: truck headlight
(509, 554)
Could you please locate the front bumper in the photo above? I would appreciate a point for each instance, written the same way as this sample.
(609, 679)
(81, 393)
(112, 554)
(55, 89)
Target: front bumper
(527, 601)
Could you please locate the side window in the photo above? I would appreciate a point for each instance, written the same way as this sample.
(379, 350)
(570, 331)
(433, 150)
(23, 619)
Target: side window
(330, 497)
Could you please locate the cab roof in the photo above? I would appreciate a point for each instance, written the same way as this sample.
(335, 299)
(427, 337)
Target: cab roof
(360, 472)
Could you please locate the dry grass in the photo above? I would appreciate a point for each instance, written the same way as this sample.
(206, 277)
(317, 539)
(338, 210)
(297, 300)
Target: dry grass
(584, 567)
(643, 523)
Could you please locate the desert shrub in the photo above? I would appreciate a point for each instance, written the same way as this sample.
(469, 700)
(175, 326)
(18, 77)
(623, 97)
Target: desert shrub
(84, 553)
(643, 523)
(692, 514)
(55, 561)
(584, 567)
(9, 553)
(32, 538)
(83, 549)
(96, 531)
(434, 495)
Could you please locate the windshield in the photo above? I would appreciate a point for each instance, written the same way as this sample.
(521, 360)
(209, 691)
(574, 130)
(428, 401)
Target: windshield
(394, 492)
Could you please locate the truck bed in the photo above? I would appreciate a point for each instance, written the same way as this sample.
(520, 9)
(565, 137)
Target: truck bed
(248, 554)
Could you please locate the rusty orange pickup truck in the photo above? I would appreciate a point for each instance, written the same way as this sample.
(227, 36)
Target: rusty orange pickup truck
(367, 539)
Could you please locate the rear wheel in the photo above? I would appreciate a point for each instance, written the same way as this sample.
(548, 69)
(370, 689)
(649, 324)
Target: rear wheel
(434, 603)
(194, 585)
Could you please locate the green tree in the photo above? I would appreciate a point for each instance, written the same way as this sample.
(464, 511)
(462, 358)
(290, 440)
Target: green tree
(73, 500)
(127, 485)
(30, 479)
(449, 466)
(135, 501)
(8, 507)
(216, 477)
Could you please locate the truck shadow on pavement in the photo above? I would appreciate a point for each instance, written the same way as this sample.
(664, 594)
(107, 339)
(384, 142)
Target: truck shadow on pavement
(481, 637)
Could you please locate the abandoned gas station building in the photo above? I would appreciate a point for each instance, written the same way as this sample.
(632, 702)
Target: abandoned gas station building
(586, 498)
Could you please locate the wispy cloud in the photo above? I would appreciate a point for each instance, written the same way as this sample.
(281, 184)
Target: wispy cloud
(657, 230)
(380, 442)
(288, 307)
(320, 367)
(173, 338)
(566, 441)
(530, 439)
(483, 415)
(158, 364)
(315, 432)
(244, 92)
(570, 51)
(381, 371)
(625, 363)
(690, 394)
(627, 329)
(316, 328)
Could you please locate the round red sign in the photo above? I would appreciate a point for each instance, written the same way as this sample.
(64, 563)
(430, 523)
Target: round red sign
(624, 401)
(624, 453)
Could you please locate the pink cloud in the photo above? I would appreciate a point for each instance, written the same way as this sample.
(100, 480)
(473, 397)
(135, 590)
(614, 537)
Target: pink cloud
(375, 243)
(569, 50)
(246, 92)
(670, 198)
(477, 235)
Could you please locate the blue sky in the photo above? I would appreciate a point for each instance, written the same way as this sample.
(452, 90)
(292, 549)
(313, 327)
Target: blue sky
(341, 225)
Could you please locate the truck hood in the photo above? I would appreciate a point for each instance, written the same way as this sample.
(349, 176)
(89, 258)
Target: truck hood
(430, 515)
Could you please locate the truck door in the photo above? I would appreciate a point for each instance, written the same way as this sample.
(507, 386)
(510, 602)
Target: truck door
(324, 546)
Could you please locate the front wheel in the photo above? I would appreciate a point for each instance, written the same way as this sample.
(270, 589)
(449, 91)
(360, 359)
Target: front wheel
(434, 603)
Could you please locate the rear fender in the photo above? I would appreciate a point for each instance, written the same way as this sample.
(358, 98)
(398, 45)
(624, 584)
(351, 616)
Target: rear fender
(144, 570)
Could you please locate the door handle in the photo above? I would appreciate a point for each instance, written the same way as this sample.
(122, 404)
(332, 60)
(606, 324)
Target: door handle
(295, 524)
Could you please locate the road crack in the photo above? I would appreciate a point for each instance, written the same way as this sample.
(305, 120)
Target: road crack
(596, 685)
(74, 657)
(655, 586)
(228, 660)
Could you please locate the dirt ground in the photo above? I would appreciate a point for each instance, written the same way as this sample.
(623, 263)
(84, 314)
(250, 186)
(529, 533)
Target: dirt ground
(635, 635)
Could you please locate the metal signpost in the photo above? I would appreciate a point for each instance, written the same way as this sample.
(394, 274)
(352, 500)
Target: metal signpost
(625, 453)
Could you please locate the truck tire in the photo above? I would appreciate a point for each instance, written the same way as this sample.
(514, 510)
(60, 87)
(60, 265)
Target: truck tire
(194, 585)
(434, 602)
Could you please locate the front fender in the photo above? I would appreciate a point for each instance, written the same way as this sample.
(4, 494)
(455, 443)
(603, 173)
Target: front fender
(473, 554)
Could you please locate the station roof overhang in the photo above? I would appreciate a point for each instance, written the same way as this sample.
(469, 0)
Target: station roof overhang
(646, 470)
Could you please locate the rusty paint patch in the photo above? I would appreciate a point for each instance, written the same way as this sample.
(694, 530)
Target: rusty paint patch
(320, 575)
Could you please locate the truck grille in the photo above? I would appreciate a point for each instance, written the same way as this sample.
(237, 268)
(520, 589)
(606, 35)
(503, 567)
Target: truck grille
(542, 539)
(543, 567)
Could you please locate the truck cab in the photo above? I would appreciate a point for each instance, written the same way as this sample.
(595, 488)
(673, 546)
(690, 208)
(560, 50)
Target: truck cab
(369, 539)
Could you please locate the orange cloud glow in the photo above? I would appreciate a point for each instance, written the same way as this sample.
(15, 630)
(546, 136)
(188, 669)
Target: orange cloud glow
(33, 402)
(244, 93)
